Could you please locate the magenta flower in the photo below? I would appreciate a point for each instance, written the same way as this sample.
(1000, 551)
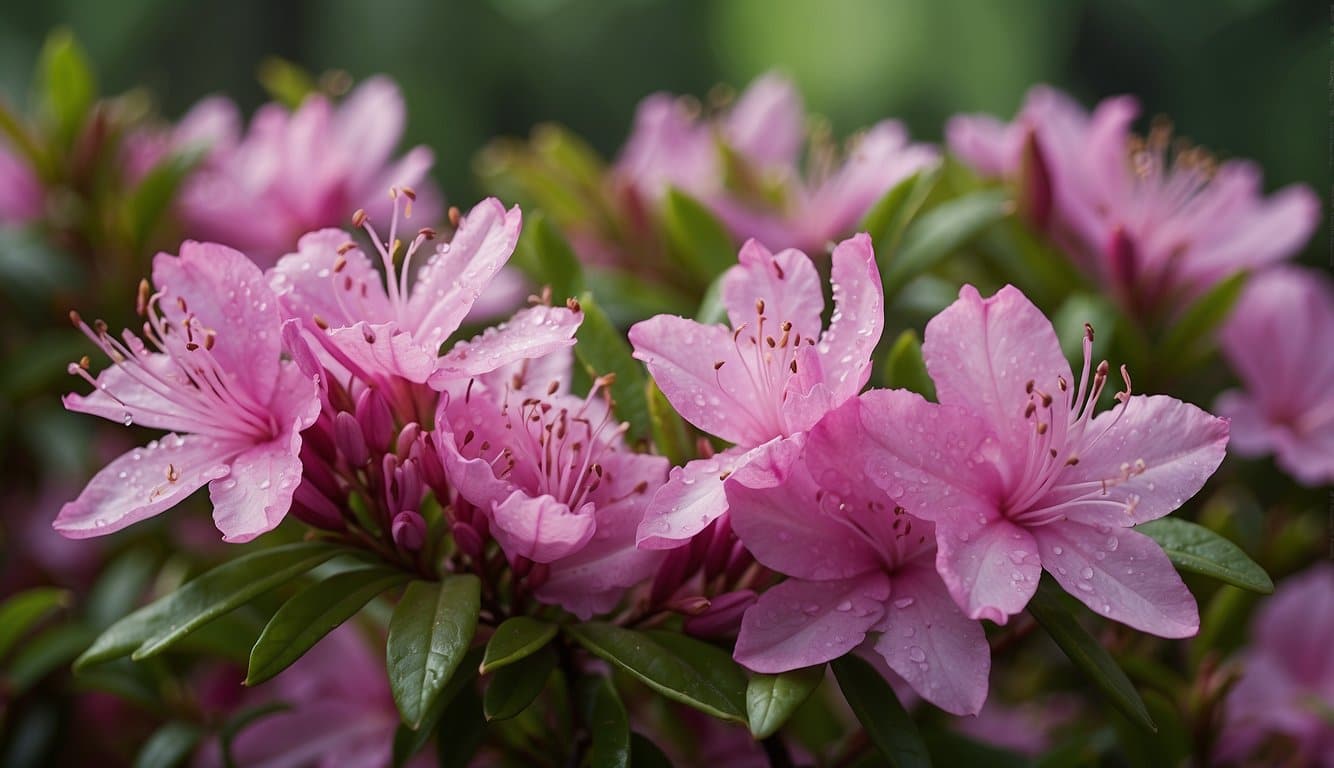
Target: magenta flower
(1286, 692)
(1019, 474)
(209, 369)
(299, 171)
(1287, 407)
(21, 193)
(560, 485)
(771, 376)
(856, 564)
(1154, 225)
(383, 329)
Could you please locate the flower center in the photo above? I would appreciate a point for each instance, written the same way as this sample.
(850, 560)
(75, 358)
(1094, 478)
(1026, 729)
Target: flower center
(768, 362)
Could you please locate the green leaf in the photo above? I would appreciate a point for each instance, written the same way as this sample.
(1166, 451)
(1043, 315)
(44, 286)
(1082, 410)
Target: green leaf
(168, 746)
(516, 638)
(1083, 650)
(429, 633)
(602, 349)
(286, 83)
(1190, 337)
(888, 724)
(313, 613)
(645, 754)
(1197, 549)
(681, 668)
(408, 742)
(1069, 321)
(23, 611)
(461, 730)
(66, 87)
(670, 435)
(50, 650)
(937, 233)
(905, 369)
(771, 699)
(607, 721)
(698, 239)
(515, 686)
(156, 626)
(120, 587)
(711, 310)
(546, 256)
(889, 218)
(154, 194)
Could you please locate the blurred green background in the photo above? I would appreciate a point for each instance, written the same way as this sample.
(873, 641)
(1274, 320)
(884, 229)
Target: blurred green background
(1243, 77)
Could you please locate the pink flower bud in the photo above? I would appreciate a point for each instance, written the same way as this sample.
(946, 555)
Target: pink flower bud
(409, 530)
(376, 420)
(723, 617)
(350, 440)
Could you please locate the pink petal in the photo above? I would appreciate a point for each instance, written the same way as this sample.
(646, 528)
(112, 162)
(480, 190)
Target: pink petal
(227, 293)
(859, 316)
(412, 170)
(1119, 574)
(681, 355)
(942, 654)
(296, 402)
(255, 497)
(767, 124)
(787, 285)
(1158, 453)
(540, 528)
(369, 122)
(983, 142)
(692, 499)
(385, 349)
(144, 405)
(981, 354)
(136, 485)
(802, 623)
(457, 274)
(318, 281)
(991, 566)
(1296, 626)
(531, 333)
(1269, 231)
(212, 124)
(666, 149)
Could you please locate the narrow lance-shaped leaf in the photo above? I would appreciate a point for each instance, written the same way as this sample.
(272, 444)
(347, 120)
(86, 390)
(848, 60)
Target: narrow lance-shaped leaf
(607, 720)
(1197, 549)
(313, 613)
(698, 239)
(66, 86)
(155, 627)
(602, 349)
(407, 741)
(938, 232)
(771, 699)
(888, 219)
(168, 746)
(1190, 337)
(23, 611)
(905, 369)
(670, 435)
(429, 634)
(546, 256)
(516, 638)
(1090, 657)
(888, 724)
(515, 686)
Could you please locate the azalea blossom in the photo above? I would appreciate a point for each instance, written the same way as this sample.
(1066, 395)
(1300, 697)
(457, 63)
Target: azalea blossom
(1152, 219)
(208, 369)
(21, 194)
(861, 573)
(1285, 314)
(1279, 712)
(294, 172)
(1019, 474)
(560, 486)
(769, 377)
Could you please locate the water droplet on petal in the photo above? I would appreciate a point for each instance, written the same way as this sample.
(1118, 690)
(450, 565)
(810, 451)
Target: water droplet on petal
(844, 606)
(1087, 573)
(904, 602)
(916, 654)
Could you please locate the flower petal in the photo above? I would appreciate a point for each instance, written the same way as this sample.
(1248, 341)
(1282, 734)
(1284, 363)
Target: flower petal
(991, 566)
(692, 499)
(802, 623)
(369, 122)
(138, 485)
(531, 333)
(942, 654)
(540, 528)
(767, 124)
(318, 281)
(984, 142)
(144, 405)
(373, 351)
(859, 317)
(785, 284)
(257, 494)
(1119, 574)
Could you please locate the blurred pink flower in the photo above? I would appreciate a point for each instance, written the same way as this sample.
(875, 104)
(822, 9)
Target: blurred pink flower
(561, 487)
(21, 193)
(857, 564)
(1155, 224)
(1018, 474)
(1025, 727)
(1278, 340)
(295, 172)
(768, 378)
(1286, 692)
(209, 366)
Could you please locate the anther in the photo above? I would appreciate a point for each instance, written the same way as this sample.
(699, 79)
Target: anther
(573, 305)
(320, 322)
(84, 362)
(141, 300)
(1028, 388)
(345, 247)
(1088, 331)
(454, 216)
(759, 306)
(719, 364)
(1062, 383)
(426, 233)
(75, 319)
(552, 387)
(1042, 428)
(172, 474)
(1072, 461)
(359, 217)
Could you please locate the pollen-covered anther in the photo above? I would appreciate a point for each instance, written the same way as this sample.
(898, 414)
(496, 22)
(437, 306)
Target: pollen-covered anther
(345, 247)
(719, 364)
(573, 305)
(141, 299)
(172, 474)
(339, 264)
(359, 217)
(454, 216)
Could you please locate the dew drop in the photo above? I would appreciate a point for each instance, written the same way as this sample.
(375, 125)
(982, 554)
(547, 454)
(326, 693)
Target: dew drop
(127, 419)
(1087, 573)
(903, 602)
(844, 606)
(916, 654)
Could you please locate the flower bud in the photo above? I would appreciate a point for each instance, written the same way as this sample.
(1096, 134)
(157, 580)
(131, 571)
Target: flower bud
(723, 617)
(408, 530)
(350, 440)
(376, 420)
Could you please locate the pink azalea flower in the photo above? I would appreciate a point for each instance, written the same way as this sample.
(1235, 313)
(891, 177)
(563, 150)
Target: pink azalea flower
(1019, 474)
(1287, 407)
(299, 171)
(856, 564)
(1286, 692)
(770, 377)
(21, 194)
(384, 330)
(209, 369)
(560, 485)
(1156, 226)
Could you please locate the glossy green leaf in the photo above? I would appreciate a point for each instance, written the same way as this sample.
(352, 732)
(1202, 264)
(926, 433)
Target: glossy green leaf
(120, 587)
(514, 686)
(698, 239)
(1197, 549)
(1050, 610)
(155, 627)
(66, 86)
(153, 196)
(887, 723)
(1077, 310)
(905, 368)
(670, 435)
(546, 256)
(938, 233)
(1190, 336)
(461, 730)
(25, 610)
(771, 699)
(889, 218)
(681, 668)
(168, 746)
(608, 723)
(407, 741)
(313, 613)
(287, 83)
(516, 638)
(602, 349)
(429, 633)
(711, 310)
(47, 651)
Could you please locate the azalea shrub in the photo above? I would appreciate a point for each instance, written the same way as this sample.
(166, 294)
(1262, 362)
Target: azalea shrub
(744, 446)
